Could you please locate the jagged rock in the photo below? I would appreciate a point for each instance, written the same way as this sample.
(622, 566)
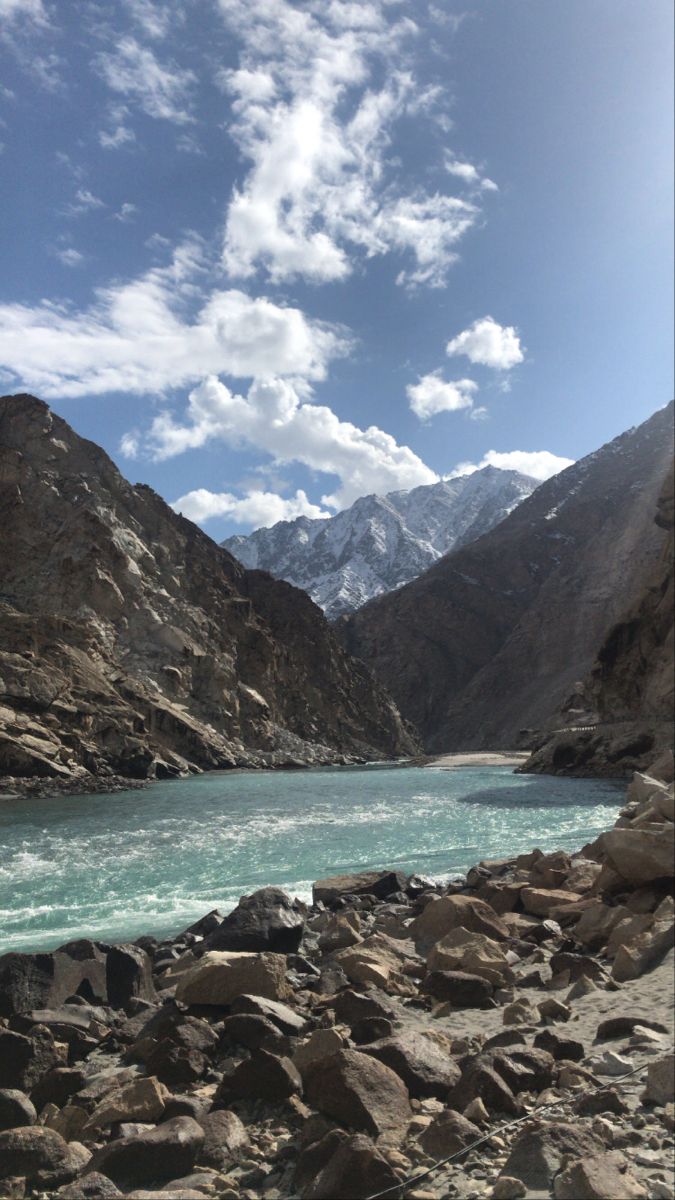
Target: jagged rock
(245, 1029)
(351, 1006)
(175, 1064)
(359, 1091)
(185, 1106)
(263, 1076)
(163, 1153)
(542, 901)
(321, 1044)
(460, 950)
(508, 1188)
(69, 1122)
(139, 1100)
(537, 1154)
(266, 920)
(480, 1081)
(15, 1109)
(461, 988)
(371, 1029)
(24, 1059)
(316, 1152)
(445, 913)
(448, 1133)
(640, 855)
(623, 1026)
(362, 966)
(425, 1069)
(644, 950)
(33, 981)
(221, 976)
(367, 883)
(660, 1081)
(502, 895)
(355, 1169)
(285, 1019)
(599, 1177)
(225, 1139)
(341, 931)
(128, 975)
(525, 1070)
(551, 870)
(92, 1186)
(560, 1047)
(41, 1155)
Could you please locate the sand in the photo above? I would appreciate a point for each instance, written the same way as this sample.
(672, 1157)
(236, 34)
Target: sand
(479, 758)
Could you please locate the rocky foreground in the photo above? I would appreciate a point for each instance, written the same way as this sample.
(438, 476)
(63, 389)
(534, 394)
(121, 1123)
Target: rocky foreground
(342, 1050)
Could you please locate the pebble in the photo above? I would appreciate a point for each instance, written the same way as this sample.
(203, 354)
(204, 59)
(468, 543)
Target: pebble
(612, 1063)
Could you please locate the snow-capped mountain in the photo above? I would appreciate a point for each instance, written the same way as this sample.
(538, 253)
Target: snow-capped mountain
(381, 542)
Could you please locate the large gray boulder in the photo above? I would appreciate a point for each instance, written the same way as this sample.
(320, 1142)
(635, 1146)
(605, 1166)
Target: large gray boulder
(266, 920)
(157, 1155)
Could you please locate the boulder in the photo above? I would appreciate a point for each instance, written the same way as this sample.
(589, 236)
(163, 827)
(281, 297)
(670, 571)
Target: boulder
(41, 1156)
(362, 966)
(560, 1047)
(480, 1081)
(355, 1169)
(142, 1099)
(341, 931)
(92, 1186)
(263, 1076)
(15, 1109)
(57, 1086)
(351, 1006)
(225, 1139)
(128, 975)
(174, 1064)
(266, 920)
(24, 1059)
(596, 923)
(360, 1092)
(502, 895)
(551, 870)
(166, 1152)
(643, 787)
(640, 855)
(68, 1121)
(245, 1029)
(29, 981)
(221, 976)
(460, 988)
(460, 950)
(448, 1133)
(660, 1087)
(525, 1070)
(425, 1069)
(599, 1177)
(286, 1019)
(538, 1154)
(643, 950)
(371, 1029)
(540, 901)
(372, 883)
(444, 913)
(321, 1044)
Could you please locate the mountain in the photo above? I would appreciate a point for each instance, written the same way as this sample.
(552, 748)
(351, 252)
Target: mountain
(629, 694)
(381, 542)
(493, 638)
(131, 643)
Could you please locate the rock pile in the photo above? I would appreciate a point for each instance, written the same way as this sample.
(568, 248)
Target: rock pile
(338, 1049)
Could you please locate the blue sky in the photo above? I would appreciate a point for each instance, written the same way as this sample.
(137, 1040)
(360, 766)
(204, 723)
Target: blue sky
(276, 254)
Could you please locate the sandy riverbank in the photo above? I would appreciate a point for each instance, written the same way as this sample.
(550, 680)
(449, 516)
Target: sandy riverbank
(479, 758)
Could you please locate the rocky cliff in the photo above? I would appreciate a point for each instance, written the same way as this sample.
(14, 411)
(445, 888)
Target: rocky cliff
(382, 542)
(628, 695)
(131, 643)
(494, 637)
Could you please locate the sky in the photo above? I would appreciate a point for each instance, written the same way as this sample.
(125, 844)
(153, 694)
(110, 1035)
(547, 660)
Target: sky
(273, 255)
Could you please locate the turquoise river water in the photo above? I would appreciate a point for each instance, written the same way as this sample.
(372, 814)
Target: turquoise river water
(152, 861)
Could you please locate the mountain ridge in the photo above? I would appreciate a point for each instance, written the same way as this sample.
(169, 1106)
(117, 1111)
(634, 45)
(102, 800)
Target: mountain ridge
(381, 542)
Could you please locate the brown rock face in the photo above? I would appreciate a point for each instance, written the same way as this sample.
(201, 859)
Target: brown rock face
(494, 637)
(130, 643)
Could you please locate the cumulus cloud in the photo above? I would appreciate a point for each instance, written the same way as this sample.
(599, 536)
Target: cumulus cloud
(153, 333)
(154, 19)
(313, 119)
(539, 464)
(258, 509)
(432, 394)
(488, 343)
(161, 90)
(469, 174)
(272, 418)
(12, 10)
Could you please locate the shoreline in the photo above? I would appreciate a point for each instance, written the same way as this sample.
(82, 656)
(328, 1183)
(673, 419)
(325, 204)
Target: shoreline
(479, 758)
(338, 1049)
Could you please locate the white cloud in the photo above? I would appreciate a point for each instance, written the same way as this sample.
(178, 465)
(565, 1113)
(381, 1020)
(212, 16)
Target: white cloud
(154, 19)
(118, 133)
(479, 414)
(469, 174)
(126, 212)
(12, 10)
(161, 90)
(69, 256)
(488, 343)
(540, 464)
(85, 201)
(315, 123)
(432, 394)
(258, 509)
(140, 337)
(273, 419)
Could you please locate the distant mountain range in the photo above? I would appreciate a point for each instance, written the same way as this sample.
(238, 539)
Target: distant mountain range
(496, 636)
(381, 542)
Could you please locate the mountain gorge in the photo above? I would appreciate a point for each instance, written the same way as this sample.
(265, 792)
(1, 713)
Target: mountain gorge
(131, 643)
(493, 638)
(381, 542)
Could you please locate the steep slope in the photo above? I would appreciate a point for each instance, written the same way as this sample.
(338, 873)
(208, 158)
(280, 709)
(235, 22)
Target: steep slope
(130, 642)
(381, 542)
(629, 695)
(493, 637)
